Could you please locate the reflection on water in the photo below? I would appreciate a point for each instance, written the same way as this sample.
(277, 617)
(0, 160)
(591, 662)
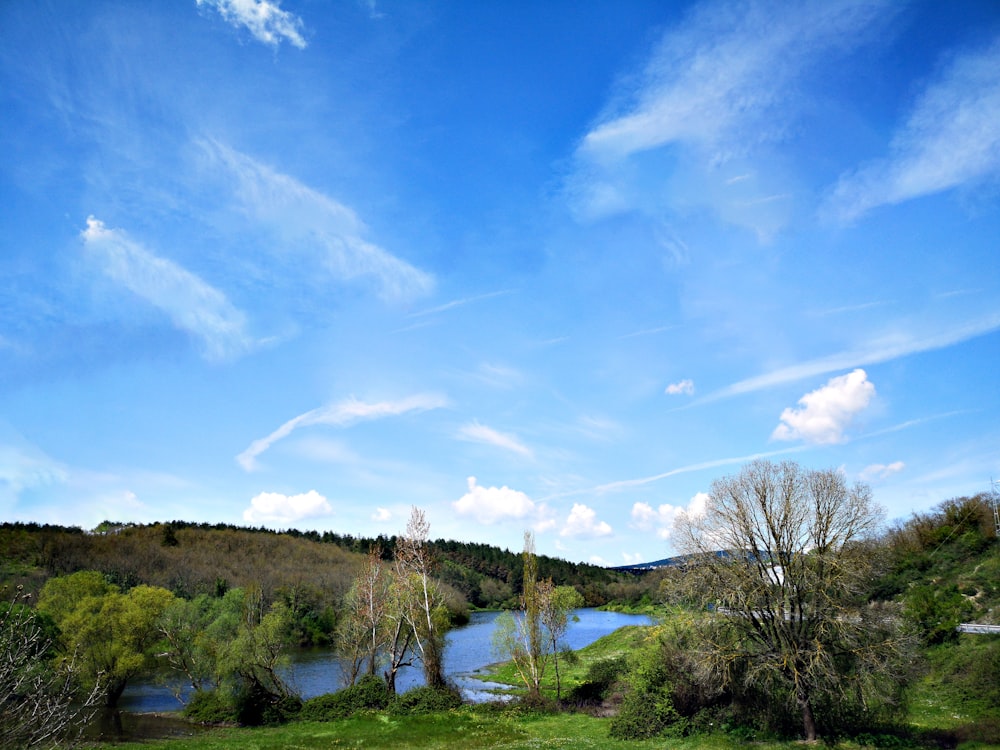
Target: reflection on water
(316, 672)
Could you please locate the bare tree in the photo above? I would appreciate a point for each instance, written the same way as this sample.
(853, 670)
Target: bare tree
(520, 636)
(39, 703)
(423, 605)
(782, 554)
(362, 630)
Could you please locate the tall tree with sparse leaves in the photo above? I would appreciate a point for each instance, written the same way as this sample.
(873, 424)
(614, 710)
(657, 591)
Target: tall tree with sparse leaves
(782, 554)
(424, 608)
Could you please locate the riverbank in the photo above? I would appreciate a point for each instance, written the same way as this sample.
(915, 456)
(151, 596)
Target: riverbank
(494, 725)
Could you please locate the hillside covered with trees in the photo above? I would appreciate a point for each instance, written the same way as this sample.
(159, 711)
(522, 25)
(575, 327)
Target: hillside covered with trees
(818, 622)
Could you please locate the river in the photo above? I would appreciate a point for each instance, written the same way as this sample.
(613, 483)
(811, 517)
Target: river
(467, 652)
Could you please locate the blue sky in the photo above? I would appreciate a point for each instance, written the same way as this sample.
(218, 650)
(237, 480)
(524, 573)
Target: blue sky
(550, 266)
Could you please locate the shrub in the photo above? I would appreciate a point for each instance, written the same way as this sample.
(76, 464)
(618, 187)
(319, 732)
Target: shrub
(425, 699)
(648, 707)
(258, 707)
(647, 714)
(601, 677)
(368, 694)
(209, 707)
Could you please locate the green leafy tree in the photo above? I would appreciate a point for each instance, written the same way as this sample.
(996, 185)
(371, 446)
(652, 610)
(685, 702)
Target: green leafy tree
(189, 651)
(110, 633)
(556, 604)
(783, 554)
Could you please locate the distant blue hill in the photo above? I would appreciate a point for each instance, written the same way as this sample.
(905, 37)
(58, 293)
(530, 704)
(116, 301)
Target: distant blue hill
(668, 562)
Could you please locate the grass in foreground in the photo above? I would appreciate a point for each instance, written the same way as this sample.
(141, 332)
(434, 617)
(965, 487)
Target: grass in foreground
(467, 728)
(938, 715)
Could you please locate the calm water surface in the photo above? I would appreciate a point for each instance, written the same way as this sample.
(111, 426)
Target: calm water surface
(468, 652)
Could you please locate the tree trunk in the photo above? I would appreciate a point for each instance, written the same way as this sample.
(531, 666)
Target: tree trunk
(808, 720)
(116, 686)
(555, 659)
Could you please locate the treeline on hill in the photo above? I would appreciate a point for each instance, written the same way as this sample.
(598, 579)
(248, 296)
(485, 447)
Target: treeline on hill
(309, 571)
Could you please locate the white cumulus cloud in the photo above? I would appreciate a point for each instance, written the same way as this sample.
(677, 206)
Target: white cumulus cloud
(582, 522)
(662, 518)
(381, 515)
(340, 414)
(824, 414)
(277, 509)
(489, 505)
(479, 433)
(191, 304)
(684, 387)
(265, 20)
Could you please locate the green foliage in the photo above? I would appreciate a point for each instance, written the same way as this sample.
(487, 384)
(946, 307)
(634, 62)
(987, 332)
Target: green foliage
(257, 706)
(210, 707)
(655, 671)
(936, 611)
(110, 633)
(601, 678)
(425, 699)
(647, 709)
(370, 693)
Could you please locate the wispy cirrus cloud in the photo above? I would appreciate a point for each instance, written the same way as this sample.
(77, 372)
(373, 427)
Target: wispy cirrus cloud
(877, 472)
(884, 349)
(480, 433)
(460, 303)
(951, 138)
(824, 414)
(340, 414)
(191, 304)
(265, 20)
(716, 89)
(628, 484)
(302, 222)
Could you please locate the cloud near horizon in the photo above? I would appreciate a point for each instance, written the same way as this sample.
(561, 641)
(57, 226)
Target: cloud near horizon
(340, 414)
(582, 523)
(276, 508)
(662, 518)
(877, 472)
(489, 505)
(825, 413)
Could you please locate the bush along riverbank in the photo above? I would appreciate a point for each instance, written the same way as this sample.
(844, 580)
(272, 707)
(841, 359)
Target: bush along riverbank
(595, 712)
